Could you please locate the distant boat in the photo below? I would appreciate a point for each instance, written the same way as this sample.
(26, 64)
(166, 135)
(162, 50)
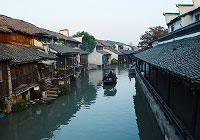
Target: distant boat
(132, 69)
(109, 76)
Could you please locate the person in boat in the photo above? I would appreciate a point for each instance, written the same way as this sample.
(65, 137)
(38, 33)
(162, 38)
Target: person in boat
(106, 76)
(112, 75)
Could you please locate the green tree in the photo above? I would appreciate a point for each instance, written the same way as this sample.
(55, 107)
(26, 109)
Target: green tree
(152, 34)
(88, 41)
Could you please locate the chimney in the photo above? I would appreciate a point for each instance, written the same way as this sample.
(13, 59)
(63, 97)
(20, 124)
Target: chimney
(196, 3)
(64, 32)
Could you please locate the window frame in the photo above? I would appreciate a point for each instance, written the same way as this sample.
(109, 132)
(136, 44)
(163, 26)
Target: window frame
(197, 17)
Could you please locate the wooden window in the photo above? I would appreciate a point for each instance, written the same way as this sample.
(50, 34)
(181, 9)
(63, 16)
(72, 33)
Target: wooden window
(1, 78)
(172, 27)
(13, 38)
(197, 17)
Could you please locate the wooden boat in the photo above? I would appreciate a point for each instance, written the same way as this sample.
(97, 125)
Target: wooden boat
(132, 69)
(109, 78)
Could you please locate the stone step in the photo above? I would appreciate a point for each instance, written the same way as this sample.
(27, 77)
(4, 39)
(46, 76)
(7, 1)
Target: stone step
(54, 89)
(50, 91)
(52, 95)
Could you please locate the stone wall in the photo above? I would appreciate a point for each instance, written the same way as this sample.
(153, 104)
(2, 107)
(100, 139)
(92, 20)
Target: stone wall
(167, 129)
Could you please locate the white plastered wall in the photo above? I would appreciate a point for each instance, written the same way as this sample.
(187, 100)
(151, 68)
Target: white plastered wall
(113, 55)
(186, 20)
(177, 24)
(196, 3)
(184, 9)
(95, 58)
(169, 17)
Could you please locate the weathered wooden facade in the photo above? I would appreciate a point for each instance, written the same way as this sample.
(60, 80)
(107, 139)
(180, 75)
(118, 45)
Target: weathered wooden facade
(67, 60)
(31, 66)
(16, 37)
(4, 79)
(128, 56)
(83, 58)
(172, 72)
(4, 85)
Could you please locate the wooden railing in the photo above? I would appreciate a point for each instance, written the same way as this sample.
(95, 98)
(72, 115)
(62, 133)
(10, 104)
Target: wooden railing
(24, 79)
(64, 72)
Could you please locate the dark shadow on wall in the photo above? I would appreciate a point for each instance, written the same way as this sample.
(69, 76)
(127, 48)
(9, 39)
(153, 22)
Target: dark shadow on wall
(147, 125)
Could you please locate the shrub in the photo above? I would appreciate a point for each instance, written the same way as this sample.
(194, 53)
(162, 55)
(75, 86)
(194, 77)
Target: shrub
(20, 105)
(61, 69)
(2, 114)
(63, 90)
(114, 61)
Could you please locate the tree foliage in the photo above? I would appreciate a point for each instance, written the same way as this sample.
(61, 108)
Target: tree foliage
(88, 41)
(152, 34)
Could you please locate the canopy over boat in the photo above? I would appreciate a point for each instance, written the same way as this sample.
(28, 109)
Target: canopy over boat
(109, 76)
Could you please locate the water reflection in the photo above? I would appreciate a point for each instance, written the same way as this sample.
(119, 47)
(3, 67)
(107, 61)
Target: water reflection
(131, 76)
(95, 78)
(84, 113)
(40, 121)
(110, 90)
(148, 128)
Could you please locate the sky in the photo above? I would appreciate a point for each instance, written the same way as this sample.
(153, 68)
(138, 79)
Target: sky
(117, 20)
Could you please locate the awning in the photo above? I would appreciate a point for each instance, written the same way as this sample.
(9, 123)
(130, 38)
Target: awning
(48, 62)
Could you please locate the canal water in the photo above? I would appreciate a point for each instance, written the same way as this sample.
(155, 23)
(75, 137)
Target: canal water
(89, 111)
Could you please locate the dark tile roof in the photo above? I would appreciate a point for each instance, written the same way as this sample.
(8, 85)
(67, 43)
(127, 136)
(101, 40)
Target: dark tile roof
(62, 49)
(56, 35)
(105, 43)
(82, 52)
(118, 43)
(99, 44)
(24, 54)
(127, 52)
(8, 25)
(110, 43)
(181, 58)
(4, 54)
(114, 51)
(103, 52)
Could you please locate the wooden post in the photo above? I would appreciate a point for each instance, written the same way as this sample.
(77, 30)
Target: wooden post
(194, 114)
(145, 69)
(156, 79)
(169, 88)
(149, 72)
(65, 65)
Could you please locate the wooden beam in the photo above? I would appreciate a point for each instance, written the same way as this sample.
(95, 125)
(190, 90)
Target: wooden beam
(194, 114)
(149, 73)
(156, 79)
(145, 71)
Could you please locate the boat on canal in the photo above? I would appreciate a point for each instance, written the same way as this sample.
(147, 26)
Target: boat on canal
(132, 69)
(109, 76)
